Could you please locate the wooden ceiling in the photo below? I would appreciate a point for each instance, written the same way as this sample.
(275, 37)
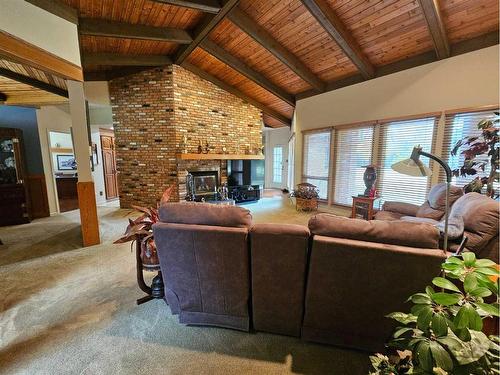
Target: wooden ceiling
(273, 52)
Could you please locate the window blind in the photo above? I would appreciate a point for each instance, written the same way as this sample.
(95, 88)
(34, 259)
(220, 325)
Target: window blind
(458, 126)
(396, 143)
(353, 151)
(317, 160)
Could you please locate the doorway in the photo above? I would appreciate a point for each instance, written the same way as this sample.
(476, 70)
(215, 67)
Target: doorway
(277, 167)
(109, 163)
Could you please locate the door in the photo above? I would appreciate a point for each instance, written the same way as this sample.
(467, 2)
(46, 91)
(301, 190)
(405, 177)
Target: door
(109, 166)
(277, 176)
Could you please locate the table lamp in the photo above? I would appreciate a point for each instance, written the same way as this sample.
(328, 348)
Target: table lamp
(414, 167)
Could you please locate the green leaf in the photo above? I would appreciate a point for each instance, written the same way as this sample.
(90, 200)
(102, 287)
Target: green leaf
(475, 321)
(441, 356)
(469, 258)
(489, 309)
(445, 284)
(468, 317)
(416, 309)
(446, 299)
(463, 334)
(467, 352)
(402, 317)
(420, 298)
(470, 282)
(439, 325)
(484, 263)
(454, 260)
(480, 292)
(429, 291)
(424, 357)
(488, 271)
(451, 266)
(424, 318)
(401, 331)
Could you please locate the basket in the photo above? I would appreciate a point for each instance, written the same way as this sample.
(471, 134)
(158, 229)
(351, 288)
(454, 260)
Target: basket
(306, 204)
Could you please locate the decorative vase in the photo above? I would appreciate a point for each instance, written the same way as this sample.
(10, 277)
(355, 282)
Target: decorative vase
(149, 255)
(369, 178)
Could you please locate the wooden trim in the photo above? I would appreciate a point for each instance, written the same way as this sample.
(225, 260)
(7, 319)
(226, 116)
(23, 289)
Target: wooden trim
(317, 130)
(125, 60)
(482, 41)
(435, 24)
(491, 107)
(57, 8)
(223, 85)
(64, 150)
(245, 70)
(408, 117)
(88, 213)
(207, 6)
(353, 125)
(20, 51)
(207, 24)
(106, 132)
(332, 167)
(33, 82)
(218, 157)
(249, 26)
(332, 24)
(100, 27)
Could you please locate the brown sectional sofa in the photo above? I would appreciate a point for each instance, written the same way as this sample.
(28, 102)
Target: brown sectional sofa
(332, 283)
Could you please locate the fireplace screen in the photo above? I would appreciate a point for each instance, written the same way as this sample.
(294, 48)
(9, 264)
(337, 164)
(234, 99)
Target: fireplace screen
(204, 185)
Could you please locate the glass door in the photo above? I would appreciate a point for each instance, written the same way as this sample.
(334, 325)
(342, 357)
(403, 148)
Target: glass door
(9, 169)
(278, 167)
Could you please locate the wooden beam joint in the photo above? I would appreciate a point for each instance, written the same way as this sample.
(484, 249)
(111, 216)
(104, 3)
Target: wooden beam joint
(435, 24)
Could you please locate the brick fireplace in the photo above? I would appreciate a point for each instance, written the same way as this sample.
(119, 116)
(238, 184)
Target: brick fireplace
(155, 111)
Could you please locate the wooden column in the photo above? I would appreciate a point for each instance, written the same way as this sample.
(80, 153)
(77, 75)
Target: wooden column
(85, 185)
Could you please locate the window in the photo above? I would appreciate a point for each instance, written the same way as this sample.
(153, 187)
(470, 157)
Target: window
(317, 160)
(396, 142)
(353, 151)
(458, 126)
(277, 164)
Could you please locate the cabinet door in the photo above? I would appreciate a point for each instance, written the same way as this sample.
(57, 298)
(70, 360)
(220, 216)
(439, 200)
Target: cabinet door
(109, 166)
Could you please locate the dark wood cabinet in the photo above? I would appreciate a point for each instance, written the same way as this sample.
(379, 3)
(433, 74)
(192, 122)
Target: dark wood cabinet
(109, 165)
(13, 183)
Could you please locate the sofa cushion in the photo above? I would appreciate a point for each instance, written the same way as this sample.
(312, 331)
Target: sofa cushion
(480, 215)
(402, 233)
(205, 214)
(437, 196)
(401, 208)
(427, 212)
(388, 215)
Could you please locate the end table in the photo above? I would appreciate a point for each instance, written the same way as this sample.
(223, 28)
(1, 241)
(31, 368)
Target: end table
(362, 207)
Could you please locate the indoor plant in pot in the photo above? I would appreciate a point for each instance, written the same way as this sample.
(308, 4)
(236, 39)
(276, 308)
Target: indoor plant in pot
(140, 231)
(443, 333)
(306, 196)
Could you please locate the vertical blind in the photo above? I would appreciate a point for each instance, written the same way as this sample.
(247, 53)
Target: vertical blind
(353, 151)
(458, 126)
(317, 160)
(396, 143)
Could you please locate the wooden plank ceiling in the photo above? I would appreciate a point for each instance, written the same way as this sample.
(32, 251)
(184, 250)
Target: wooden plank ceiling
(274, 51)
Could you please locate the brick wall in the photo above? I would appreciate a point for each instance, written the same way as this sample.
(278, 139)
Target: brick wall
(152, 113)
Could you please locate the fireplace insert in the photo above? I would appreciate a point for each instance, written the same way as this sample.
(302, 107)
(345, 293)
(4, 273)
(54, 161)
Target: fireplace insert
(204, 184)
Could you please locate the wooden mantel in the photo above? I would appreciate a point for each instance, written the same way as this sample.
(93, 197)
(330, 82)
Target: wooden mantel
(219, 157)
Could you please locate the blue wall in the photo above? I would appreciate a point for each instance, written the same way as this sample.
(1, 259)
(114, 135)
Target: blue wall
(25, 119)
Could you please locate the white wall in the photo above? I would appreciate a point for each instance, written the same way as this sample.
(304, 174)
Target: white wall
(97, 92)
(40, 28)
(276, 137)
(468, 80)
(55, 118)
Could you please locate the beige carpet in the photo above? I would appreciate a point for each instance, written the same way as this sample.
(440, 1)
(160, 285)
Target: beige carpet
(71, 310)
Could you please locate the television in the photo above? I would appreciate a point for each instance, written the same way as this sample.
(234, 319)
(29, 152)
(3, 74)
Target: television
(245, 172)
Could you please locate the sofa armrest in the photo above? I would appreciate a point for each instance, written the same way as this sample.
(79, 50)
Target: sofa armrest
(407, 209)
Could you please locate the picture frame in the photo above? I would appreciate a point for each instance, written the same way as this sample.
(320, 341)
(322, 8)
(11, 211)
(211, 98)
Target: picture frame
(66, 162)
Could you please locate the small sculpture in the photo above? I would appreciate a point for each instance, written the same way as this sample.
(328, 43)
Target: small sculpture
(369, 178)
(207, 148)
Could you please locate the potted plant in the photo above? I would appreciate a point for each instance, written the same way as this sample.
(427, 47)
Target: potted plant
(479, 151)
(306, 196)
(141, 230)
(443, 333)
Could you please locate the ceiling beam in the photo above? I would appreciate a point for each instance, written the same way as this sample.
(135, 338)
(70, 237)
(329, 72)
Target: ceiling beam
(57, 8)
(465, 46)
(245, 70)
(33, 82)
(125, 60)
(435, 24)
(201, 31)
(207, 6)
(100, 27)
(223, 85)
(334, 26)
(249, 26)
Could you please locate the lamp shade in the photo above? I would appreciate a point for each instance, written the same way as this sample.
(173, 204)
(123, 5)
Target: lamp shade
(411, 167)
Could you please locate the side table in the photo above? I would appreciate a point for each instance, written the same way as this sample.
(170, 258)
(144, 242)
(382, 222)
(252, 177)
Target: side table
(362, 207)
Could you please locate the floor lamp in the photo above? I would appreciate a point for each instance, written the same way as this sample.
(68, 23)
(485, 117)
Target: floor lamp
(414, 167)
